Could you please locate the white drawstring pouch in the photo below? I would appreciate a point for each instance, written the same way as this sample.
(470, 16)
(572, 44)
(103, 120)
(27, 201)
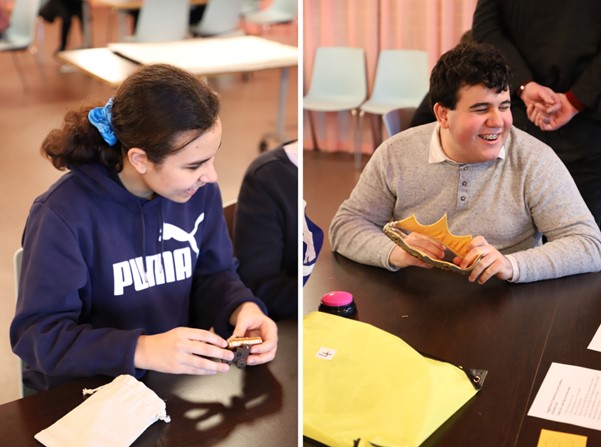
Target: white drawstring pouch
(115, 415)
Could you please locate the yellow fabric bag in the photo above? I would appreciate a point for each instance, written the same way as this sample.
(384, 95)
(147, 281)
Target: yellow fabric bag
(366, 387)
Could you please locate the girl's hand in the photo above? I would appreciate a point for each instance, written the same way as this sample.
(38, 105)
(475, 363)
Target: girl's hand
(183, 350)
(250, 321)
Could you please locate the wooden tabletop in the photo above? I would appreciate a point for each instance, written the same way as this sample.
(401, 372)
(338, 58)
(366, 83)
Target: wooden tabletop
(514, 331)
(255, 406)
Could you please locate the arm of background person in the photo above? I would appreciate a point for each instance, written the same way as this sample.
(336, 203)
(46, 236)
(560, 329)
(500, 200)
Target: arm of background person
(587, 87)
(266, 236)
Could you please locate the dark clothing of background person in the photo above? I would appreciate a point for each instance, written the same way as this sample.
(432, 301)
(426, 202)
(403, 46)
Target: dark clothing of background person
(266, 232)
(424, 113)
(66, 10)
(558, 45)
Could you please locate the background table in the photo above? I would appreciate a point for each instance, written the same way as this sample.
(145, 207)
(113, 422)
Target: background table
(256, 406)
(202, 57)
(515, 331)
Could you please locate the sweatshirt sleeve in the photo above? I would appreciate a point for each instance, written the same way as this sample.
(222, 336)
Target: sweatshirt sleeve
(587, 87)
(559, 212)
(46, 331)
(356, 229)
(217, 290)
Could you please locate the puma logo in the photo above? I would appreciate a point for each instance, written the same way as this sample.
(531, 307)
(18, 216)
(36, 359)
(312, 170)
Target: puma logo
(172, 232)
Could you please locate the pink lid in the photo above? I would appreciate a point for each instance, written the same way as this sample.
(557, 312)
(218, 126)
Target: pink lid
(337, 298)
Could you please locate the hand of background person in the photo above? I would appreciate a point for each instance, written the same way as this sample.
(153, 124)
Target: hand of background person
(540, 97)
(401, 259)
(555, 120)
(491, 263)
(250, 321)
(183, 350)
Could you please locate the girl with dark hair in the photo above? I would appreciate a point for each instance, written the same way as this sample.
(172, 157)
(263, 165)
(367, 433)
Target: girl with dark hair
(127, 262)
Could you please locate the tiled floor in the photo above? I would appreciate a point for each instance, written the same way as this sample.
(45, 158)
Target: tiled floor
(249, 110)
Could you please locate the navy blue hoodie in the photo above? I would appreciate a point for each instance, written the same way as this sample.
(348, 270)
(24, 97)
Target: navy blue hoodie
(102, 266)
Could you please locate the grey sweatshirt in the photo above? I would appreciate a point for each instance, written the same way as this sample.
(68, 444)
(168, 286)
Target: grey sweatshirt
(511, 201)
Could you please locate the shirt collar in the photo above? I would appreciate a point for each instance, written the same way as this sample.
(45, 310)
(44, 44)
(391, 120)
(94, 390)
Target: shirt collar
(291, 150)
(437, 155)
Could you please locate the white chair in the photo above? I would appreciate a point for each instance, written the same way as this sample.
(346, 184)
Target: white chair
(402, 80)
(19, 36)
(392, 122)
(397, 120)
(220, 18)
(17, 260)
(162, 21)
(338, 83)
(278, 12)
(249, 6)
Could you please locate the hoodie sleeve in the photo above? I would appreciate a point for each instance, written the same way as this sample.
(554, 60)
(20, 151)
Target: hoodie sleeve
(54, 299)
(217, 290)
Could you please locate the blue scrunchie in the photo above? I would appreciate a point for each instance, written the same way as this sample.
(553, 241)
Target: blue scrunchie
(100, 117)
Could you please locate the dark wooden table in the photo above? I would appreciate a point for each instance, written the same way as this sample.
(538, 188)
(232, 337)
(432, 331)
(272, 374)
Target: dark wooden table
(515, 331)
(256, 406)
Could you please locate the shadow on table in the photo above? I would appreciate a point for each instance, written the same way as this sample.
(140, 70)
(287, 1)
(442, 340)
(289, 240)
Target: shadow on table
(209, 423)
